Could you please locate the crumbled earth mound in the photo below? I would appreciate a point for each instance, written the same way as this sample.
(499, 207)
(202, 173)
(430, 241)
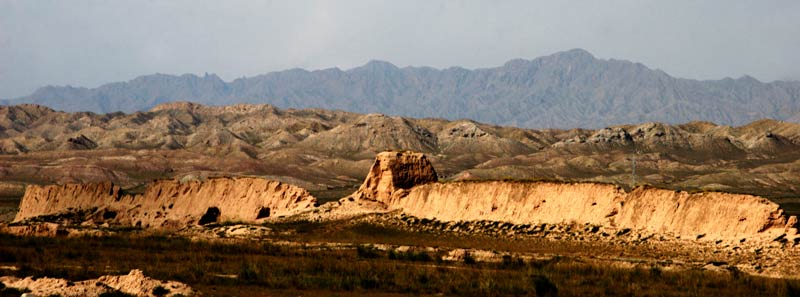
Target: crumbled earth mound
(393, 174)
(134, 283)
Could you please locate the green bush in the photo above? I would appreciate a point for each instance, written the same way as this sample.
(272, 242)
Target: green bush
(510, 262)
(249, 272)
(421, 256)
(367, 251)
(544, 287)
(468, 259)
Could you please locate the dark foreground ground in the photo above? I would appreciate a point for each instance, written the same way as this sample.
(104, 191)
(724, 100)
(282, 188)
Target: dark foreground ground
(293, 263)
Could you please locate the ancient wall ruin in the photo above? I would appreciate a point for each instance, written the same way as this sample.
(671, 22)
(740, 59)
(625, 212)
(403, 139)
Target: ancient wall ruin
(407, 182)
(708, 215)
(711, 215)
(169, 202)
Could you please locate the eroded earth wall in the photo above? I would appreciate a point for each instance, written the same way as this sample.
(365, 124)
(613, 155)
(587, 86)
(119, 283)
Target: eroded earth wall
(169, 202)
(705, 215)
(407, 182)
(708, 215)
(53, 199)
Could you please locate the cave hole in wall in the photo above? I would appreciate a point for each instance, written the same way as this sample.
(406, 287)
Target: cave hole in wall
(109, 214)
(264, 212)
(211, 216)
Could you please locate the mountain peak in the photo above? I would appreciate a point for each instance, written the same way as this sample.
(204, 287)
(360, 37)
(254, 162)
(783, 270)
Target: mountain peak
(515, 63)
(748, 79)
(378, 64)
(576, 54)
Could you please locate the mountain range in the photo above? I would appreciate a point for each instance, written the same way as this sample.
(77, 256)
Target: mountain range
(568, 89)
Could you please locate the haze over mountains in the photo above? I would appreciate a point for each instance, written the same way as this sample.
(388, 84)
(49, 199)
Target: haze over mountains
(565, 90)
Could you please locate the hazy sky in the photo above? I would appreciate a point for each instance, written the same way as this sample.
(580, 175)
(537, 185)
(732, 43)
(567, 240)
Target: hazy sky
(88, 43)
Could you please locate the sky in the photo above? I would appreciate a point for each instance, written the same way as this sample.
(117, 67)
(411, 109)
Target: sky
(89, 43)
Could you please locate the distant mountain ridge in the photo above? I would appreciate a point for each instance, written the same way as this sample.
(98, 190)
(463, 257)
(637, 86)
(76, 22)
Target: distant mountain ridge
(565, 90)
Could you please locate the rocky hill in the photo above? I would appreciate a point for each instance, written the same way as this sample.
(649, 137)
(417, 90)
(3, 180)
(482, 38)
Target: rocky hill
(321, 149)
(564, 90)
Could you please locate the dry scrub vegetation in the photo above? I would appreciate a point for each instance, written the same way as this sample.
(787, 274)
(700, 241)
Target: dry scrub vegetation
(252, 268)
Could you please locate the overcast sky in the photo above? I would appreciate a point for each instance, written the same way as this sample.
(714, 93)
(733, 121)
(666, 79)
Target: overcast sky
(88, 43)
